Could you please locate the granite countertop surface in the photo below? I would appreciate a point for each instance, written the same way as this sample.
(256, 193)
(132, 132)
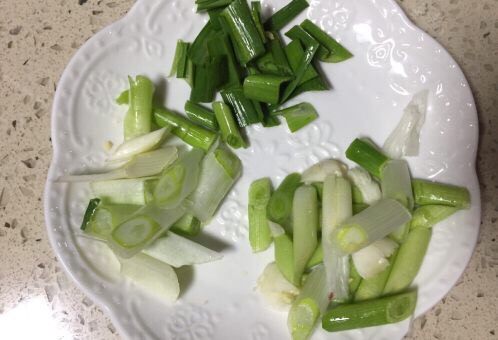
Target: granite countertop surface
(37, 40)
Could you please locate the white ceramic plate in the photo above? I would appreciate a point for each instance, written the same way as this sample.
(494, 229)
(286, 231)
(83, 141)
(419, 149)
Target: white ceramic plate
(393, 60)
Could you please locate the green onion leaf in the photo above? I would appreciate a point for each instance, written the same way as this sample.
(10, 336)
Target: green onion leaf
(366, 155)
(256, 16)
(90, 212)
(243, 108)
(205, 5)
(295, 53)
(298, 116)
(179, 67)
(201, 115)
(208, 78)
(280, 206)
(123, 98)
(285, 15)
(264, 87)
(230, 133)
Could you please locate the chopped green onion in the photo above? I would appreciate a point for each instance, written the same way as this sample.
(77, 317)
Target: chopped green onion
(123, 191)
(372, 224)
(276, 290)
(429, 215)
(373, 287)
(357, 195)
(140, 144)
(336, 208)
(305, 227)
(204, 5)
(396, 182)
(299, 34)
(366, 155)
(93, 204)
(214, 17)
(123, 98)
(319, 171)
(237, 21)
(367, 188)
(264, 87)
(190, 133)
(337, 52)
(178, 251)
(256, 16)
(208, 78)
(230, 133)
(138, 119)
(244, 108)
(152, 275)
(284, 253)
(135, 232)
(179, 66)
(220, 46)
(354, 278)
(188, 225)
(280, 206)
(408, 261)
(373, 259)
(309, 305)
(359, 207)
(219, 171)
(285, 15)
(390, 309)
(428, 193)
(295, 53)
(198, 52)
(201, 115)
(259, 230)
(107, 217)
(298, 116)
(178, 180)
(315, 84)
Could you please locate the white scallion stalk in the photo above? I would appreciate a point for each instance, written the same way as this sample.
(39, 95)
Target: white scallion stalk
(373, 259)
(137, 191)
(309, 305)
(370, 225)
(220, 169)
(404, 140)
(336, 207)
(275, 289)
(139, 145)
(178, 251)
(368, 187)
(153, 276)
(319, 171)
(142, 165)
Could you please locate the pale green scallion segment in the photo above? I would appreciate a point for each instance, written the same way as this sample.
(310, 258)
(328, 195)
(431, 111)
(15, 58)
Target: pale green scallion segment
(408, 261)
(138, 119)
(396, 184)
(372, 224)
(230, 133)
(336, 208)
(427, 216)
(238, 22)
(124, 191)
(354, 278)
(201, 115)
(305, 227)
(298, 116)
(428, 193)
(309, 305)
(259, 230)
(90, 211)
(390, 309)
(188, 225)
(179, 66)
(107, 217)
(316, 258)
(373, 287)
(280, 205)
(220, 169)
(366, 155)
(284, 253)
(123, 98)
(178, 180)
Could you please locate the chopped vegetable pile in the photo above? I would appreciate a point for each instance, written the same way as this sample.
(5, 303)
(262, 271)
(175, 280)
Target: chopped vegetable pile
(348, 243)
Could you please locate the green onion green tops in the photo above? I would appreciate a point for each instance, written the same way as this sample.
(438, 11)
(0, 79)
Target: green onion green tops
(230, 133)
(264, 87)
(366, 155)
(285, 15)
(427, 192)
(201, 115)
(298, 116)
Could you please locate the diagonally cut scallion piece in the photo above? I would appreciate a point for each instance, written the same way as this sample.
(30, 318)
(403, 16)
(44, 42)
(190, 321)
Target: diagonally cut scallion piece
(337, 52)
(305, 227)
(188, 225)
(230, 133)
(190, 133)
(90, 211)
(204, 5)
(220, 169)
(107, 216)
(238, 23)
(208, 77)
(264, 87)
(125, 191)
(298, 116)
(198, 52)
(295, 52)
(179, 66)
(140, 144)
(243, 108)
(427, 216)
(316, 258)
(284, 252)
(138, 119)
(220, 46)
(390, 309)
(256, 16)
(336, 208)
(178, 180)
(366, 155)
(259, 230)
(311, 302)
(285, 15)
(370, 225)
(427, 193)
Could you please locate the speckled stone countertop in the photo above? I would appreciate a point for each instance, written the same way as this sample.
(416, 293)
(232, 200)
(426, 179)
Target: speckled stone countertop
(38, 38)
